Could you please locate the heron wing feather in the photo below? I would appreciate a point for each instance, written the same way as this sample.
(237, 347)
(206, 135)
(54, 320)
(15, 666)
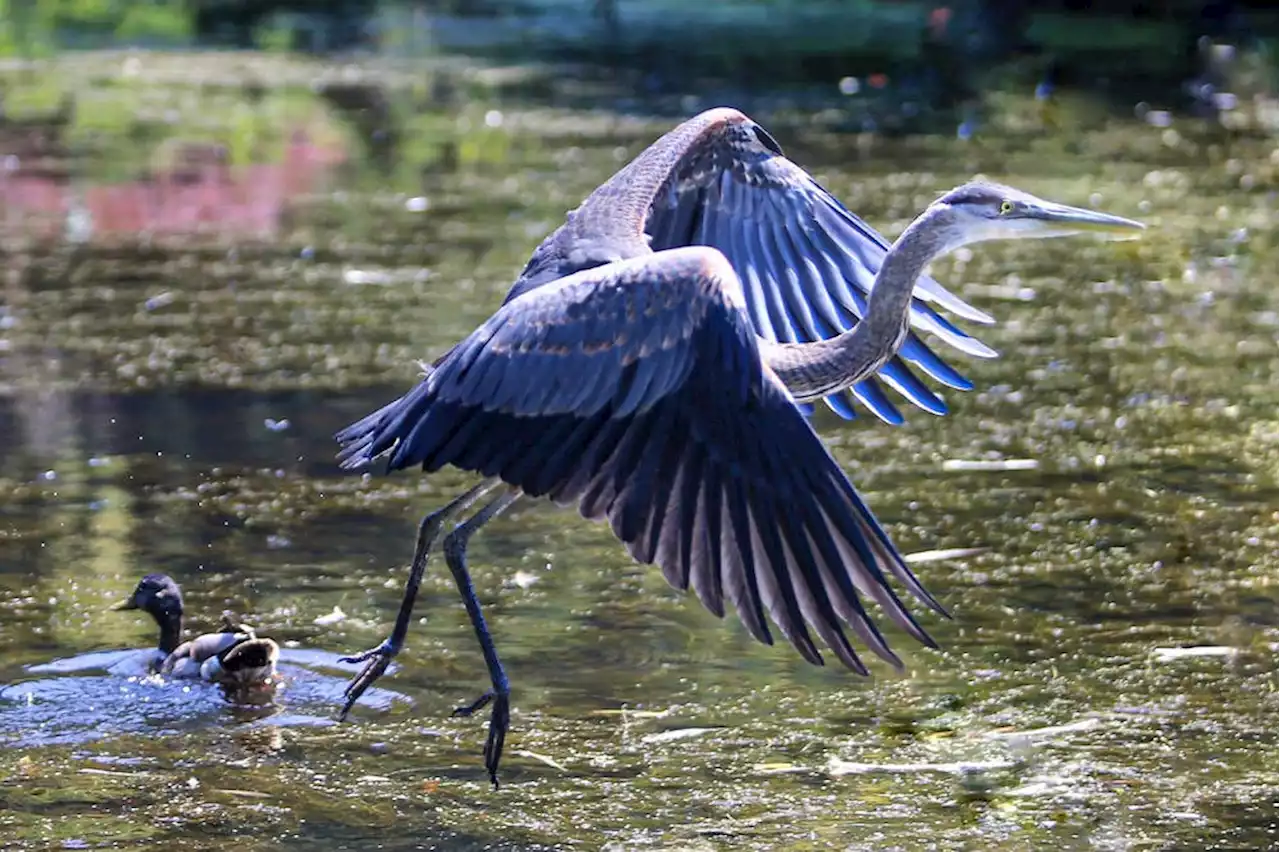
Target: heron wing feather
(685, 442)
(804, 259)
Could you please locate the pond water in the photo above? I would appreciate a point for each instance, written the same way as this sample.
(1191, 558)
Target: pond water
(167, 404)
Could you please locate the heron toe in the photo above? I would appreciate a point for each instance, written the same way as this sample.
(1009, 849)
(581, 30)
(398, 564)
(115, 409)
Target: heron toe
(378, 659)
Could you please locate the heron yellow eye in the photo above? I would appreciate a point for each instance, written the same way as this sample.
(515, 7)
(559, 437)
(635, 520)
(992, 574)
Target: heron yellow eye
(1006, 207)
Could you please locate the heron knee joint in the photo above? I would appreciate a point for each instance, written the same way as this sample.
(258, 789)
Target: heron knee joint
(455, 544)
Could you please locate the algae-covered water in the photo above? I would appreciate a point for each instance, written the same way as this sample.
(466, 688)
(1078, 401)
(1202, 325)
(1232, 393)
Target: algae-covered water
(169, 387)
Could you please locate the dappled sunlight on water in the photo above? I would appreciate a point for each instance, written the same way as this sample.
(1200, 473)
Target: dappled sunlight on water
(1136, 396)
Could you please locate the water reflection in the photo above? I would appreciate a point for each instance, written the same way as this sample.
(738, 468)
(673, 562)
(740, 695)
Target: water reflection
(203, 427)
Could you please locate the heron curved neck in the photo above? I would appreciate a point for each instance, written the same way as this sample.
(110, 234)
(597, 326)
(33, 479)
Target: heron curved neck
(813, 370)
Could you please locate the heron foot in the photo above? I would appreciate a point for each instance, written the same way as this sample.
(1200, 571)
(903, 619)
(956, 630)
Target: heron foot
(478, 704)
(499, 724)
(383, 649)
(378, 658)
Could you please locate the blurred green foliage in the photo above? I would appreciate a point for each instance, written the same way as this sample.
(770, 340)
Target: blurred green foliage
(168, 21)
(35, 27)
(274, 36)
(942, 54)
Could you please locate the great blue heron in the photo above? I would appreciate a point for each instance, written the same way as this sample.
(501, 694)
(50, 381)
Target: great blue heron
(650, 363)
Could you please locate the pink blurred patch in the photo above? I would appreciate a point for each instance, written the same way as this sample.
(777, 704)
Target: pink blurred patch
(939, 17)
(191, 198)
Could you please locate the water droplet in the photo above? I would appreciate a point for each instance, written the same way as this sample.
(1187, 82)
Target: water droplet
(158, 301)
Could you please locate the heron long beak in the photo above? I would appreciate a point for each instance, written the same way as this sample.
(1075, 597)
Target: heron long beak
(1079, 220)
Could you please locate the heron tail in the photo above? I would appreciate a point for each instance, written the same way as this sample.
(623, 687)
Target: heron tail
(374, 434)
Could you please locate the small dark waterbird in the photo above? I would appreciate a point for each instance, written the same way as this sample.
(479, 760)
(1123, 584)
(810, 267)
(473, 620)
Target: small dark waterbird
(651, 366)
(235, 656)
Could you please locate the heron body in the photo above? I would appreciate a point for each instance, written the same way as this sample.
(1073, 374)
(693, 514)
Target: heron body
(650, 366)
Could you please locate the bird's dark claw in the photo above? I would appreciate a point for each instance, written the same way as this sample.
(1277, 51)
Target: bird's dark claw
(478, 704)
(499, 724)
(385, 649)
(378, 659)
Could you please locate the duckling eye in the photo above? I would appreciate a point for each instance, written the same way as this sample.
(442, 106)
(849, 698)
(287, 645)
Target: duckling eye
(1006, 207)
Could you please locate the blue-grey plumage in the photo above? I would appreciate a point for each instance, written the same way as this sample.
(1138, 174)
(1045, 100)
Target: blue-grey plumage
(806, 263)
(642, 391)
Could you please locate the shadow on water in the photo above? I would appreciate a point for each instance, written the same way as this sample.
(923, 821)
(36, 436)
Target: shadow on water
(292, 430)
(169, 406)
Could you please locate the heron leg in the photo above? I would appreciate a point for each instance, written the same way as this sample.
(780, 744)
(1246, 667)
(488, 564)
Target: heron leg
(455, 554)
(379, 657)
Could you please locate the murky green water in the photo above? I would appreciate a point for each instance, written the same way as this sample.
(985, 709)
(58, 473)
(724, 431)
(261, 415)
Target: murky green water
(138, 381)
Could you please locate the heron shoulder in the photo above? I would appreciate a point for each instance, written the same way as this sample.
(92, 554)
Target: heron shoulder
(721, 125)
(717, 115)
(612, 223)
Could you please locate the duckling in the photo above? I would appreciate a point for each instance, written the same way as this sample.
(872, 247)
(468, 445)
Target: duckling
(234, 656)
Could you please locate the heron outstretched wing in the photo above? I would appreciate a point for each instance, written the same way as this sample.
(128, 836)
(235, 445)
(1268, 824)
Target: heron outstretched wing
(636, 390)
(806, 262)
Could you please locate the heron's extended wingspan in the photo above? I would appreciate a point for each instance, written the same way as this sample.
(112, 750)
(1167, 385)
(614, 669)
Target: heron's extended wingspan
(806, 263)
(636, 390)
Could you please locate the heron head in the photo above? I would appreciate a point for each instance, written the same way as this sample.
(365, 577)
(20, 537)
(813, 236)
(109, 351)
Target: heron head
(989, 211)
(156, 594)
